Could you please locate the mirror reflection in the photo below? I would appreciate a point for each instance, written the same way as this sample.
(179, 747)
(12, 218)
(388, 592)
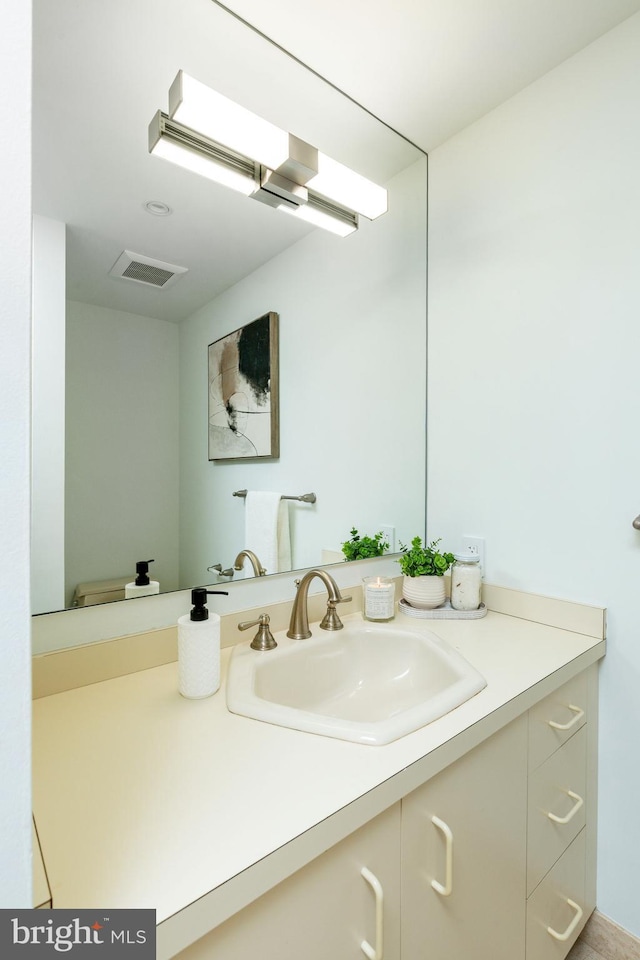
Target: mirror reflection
(121, 471)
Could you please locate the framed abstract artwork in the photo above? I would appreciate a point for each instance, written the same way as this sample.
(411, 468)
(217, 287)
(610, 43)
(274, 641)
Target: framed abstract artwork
(243, 392)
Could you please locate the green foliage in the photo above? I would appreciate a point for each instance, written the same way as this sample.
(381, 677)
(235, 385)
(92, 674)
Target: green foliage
(424, 561)
(360, 548)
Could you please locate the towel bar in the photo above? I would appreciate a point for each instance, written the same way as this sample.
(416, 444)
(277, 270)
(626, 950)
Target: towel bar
(306, 497)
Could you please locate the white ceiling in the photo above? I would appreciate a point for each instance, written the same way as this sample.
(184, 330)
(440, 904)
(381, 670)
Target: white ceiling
(427, 68)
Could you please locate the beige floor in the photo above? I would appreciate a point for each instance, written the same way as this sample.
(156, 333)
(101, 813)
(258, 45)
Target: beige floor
(582, 951)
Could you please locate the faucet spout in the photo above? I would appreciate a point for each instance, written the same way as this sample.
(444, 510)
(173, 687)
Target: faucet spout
(299, 623)
(258, 569)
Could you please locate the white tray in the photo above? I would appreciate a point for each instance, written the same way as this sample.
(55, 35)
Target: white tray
(443, 612)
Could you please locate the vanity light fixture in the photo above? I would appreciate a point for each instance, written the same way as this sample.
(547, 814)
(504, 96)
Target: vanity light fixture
(211, 135)
(197, 106)
(344, 186)
(326, 215)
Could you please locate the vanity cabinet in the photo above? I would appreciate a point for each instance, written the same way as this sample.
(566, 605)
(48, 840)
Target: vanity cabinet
(345, 905)
(493, 858)
(471, 837)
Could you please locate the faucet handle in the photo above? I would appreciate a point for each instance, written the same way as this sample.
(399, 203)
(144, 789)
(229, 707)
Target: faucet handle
(263, 639)
(331, 620)
(217, 567)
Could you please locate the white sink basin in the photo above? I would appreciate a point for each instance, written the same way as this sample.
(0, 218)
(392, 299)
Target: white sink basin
(367, 683)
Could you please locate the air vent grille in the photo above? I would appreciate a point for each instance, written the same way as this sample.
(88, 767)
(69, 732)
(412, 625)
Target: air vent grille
(147, 274)
(141, 269)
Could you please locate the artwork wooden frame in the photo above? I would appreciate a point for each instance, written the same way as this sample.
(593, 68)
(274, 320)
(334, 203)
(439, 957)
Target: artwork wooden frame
(244, 415)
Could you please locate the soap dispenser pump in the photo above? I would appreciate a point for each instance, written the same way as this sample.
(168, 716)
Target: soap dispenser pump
(142, 586)
(199, 648)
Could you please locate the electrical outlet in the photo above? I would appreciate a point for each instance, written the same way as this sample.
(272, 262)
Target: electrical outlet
(389, 533)
(476, 546)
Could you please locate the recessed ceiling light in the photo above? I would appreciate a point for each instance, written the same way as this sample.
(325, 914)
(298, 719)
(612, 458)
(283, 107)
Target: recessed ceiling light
(158, 208)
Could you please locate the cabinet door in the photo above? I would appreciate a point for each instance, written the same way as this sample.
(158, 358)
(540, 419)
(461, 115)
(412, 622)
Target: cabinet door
(326, 911)
(464, 856)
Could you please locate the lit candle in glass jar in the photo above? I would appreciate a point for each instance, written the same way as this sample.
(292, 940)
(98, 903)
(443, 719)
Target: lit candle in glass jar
(378, 596)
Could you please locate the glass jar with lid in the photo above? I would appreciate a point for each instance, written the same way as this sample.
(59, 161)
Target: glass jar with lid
(466, 582)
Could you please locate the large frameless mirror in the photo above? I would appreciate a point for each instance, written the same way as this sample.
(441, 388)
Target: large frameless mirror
(121, 468)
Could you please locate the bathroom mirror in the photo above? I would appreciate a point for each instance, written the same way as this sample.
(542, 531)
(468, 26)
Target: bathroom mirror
(120, 470)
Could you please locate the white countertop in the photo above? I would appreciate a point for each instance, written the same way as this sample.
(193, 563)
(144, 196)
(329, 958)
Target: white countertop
(145, 799)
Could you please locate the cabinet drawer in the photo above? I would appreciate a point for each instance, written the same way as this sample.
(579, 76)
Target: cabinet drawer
(556, 910)
(557, 806)
(556, 718)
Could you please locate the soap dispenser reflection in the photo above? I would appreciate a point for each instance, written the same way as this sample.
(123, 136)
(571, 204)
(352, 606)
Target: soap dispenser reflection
(142, 586)
(199, 648)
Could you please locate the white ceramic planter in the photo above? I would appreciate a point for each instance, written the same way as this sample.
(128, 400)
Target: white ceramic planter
(425, 593)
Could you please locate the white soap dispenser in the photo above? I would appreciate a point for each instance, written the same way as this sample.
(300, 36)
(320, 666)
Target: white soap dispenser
(199, 648)
(142, 586)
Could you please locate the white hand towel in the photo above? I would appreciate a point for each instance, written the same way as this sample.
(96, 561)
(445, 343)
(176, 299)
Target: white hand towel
(284, 537)
(267, 529)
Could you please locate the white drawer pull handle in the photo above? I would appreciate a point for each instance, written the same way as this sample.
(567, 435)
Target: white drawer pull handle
(578, 715)
(574, 923)
(445, 889)
(574, 809)
(375, 953)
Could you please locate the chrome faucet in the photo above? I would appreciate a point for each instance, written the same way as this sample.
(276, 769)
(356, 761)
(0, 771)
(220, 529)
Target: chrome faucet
(299, 624)
(258, 569)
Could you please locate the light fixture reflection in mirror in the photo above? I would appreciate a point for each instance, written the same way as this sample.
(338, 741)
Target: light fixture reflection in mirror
(133, 455)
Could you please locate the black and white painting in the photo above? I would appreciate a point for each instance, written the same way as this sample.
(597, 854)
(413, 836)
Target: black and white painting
(243, 392)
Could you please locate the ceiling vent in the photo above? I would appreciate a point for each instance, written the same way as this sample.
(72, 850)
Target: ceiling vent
(146, 270)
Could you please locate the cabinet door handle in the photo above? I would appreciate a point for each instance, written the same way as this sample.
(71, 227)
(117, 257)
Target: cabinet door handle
(574, 809)
(377, 952)
(445, 889)
(572, 926)
(578, 714)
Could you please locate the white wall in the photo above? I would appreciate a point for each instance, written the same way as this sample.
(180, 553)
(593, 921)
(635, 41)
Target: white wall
(534, 346)
(47, 419)
(15, 292)
(121, 408)
(352, 388)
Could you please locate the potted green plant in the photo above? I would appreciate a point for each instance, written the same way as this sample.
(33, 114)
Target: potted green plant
(423, 568)
(363, 547)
